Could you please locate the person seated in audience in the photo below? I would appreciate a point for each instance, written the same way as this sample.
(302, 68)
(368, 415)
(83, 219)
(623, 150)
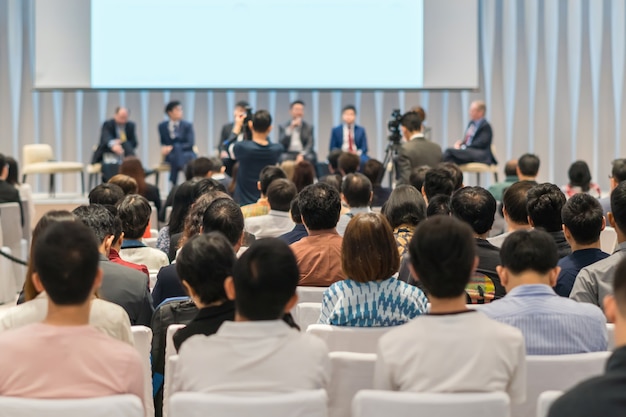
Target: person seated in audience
(551, 325)
(370, 296)
(348, 163)
(8, 193)
(510, 178)
(439, 205)
(106, 194)
(582, 224)
(218, 172)
(203, 265)
(594, 282)
(528, 167)
(132, 167)
(477, 207)
(417, 177)
(126, 183)
(24, 190)
(603, 395)
(107, 317)
(437, 181)
(116, 246)
(580, 181)
(299, 231)
(277, 222)
(417, 356)
(404, 210)
(514, 203)
(333, 161)
(134, 212)
(319, 254)
(455, 172)
(121, 285)
(356, 193)
(544, 205)
(258, 352)
(303, 174)
(375, 171)
(183, 200)
(618, 174)
(196, 169)
(268, 175)
(63, 356)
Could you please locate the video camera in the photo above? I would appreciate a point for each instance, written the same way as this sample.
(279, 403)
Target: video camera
(393, 126)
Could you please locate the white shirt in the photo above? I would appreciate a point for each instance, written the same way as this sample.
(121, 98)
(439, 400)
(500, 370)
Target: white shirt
(344, 219)
(465, 352)
(152, 258)
(295, 145)
(499, 240)
(347, 129)
(252, 356)
(273, 224)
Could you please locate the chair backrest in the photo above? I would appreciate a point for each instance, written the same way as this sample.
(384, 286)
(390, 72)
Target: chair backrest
(558, 372)
(142, 337)
(349, 339)
(154, 217)
(170, 349)
(306, 314)
(27, 227)
(8, 287)
(608, 239)
(11, 220)
(116, 405)
(310, 294)
(170, 369)
(34, 153)
(297, 404)
(610, 334)
(350, 373)
(371, 403)
(545, 401)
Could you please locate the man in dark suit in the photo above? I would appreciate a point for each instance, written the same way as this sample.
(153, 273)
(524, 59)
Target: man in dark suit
(234, 130)
(296, 135)
(417, 151)
(476, 144)
(348, 136)
(177, 139)
(117, 140)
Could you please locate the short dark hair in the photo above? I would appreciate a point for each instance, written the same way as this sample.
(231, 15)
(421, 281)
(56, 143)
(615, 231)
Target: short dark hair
(418, 174)
(618, 170)
(294, 210)
(126, 183)
(106, 194)
(171, 106)
(98, 218)
(216, 163)
(201, 166)
(333, 158)
(443, 252)
(579, 175)
(373, 170)
(510, 168)
(134, 212)
(412, 121)
(455, 171)
(515, 200)
(224, 215)
(438, 180)
(204, 262)
(476, 207)
(528, 164)
(529, 250)
(357, 190)
(204, 186)
(583, 215)
(242, 103)
(439, 205)
(69, 282)
(320, 206)
(293, 103)
(348, 107)
(544, 205)
(619, 286)
(261, 121)
(334, 180)
(618, 205)
(280, 193)
(265, 278)
(404, 206)
(348, 163)
(269, 174)
(3, 161)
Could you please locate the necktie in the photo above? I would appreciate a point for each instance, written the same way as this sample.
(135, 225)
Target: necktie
(350, 140)
(469, 133)
(123, 135)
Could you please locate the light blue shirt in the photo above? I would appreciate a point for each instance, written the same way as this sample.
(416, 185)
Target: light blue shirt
(551, 325)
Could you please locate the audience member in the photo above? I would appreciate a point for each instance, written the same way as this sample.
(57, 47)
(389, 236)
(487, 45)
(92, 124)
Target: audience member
(417, 177)
(618, 174)
(266, 177)
(544, 205)
(126, 183)
(333, 161)
(437, 181)
(333, 180)
(132, 167)
(183, 200)
(116, 245)
(417, 150)
(404, 210)
(348, 136)
(528, 167)
(177, 139)
(277, 222)
(356, 193)
(299, 231)
(218, 172)
(8, 193)
(24, 190)
(514, 202)
(439, 205)
(370, 296)
(416, 357)
(106, 195)
(375, 172)
(580, 181)
(510, 178)
(455, 173)
(63, 356)
(258, 351)
(196, 166)
(289, 167)
(303, 175)
(551, 325)
(348, 163)
(582, 224)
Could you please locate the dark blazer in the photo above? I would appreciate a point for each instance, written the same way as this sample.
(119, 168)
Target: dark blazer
(488, 260)
(183, 143)
(415, 153)
(306, 136)
(168, 285)
(207, 322)
(108, 133)
(226, 135)
(479, 150)
(360, 140)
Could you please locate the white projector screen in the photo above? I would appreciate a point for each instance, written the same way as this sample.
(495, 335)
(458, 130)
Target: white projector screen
(256, 44)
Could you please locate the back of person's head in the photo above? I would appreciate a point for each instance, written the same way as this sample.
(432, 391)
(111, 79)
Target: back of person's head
(579, 175)
(184, 196)
(194, 219)
(443, 256)
(455, 172)
(126, 183)
(206, 185)
(216, 164)
(333, 158)
(412, 121)
(268, 175)
(265, 279)
(418, 174)
(98, 218)
(510, 169)
(134, 211)
(294, 210)
(224, 215)
(618, 170)
(618, 206)
(438, 181)
(333, 180)
(106, 194)
(529, 250)
(204, 263)
(369, 251)
(476, 207)
(357, 190)
(3, 164)
(132, 167)
(280, 194)
(583, 216)
(528, 165)
(615, 304)
(201, 166)
(420, 112)
(439, 205)
(289, 167)
(405, 206)
(348, 163)
(544, 205)
(13, 173)
(261, 121)
(188, 171)
(303, 174)
(514, 201)
(373, 170)
(70, 281)
(320, 206)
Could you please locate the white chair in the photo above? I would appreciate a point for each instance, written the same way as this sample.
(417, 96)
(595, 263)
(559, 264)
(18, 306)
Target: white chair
(7, 280)
(170, 349)
(116, 405)
(154, 218)
(610, 334)
(558, 372)
(306, 314)
(608, 239)
(310, 294)
(13, 238)
(142, 337)
(370, 403)
(350, 373)
(349, 339)
(545, 401)
(38, 159)
(170, 370)
(297, 404)
(480, 168)
(94, 171)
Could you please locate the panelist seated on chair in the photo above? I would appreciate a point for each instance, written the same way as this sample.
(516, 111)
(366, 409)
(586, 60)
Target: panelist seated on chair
(296, 135)
(117, 141)
(348, 136)
(476, 143)
(177, 139)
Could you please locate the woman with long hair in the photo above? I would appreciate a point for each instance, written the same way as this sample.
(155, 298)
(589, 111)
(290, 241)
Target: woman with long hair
(132, 167)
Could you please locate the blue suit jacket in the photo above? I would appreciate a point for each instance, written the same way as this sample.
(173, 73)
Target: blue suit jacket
(360, 140)
(183, 143)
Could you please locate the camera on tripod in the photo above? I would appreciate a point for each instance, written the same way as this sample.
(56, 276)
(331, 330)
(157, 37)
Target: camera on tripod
(393, 126)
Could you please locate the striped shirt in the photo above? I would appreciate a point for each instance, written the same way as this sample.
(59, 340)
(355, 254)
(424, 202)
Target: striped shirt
(551, 325)
(371, 304)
